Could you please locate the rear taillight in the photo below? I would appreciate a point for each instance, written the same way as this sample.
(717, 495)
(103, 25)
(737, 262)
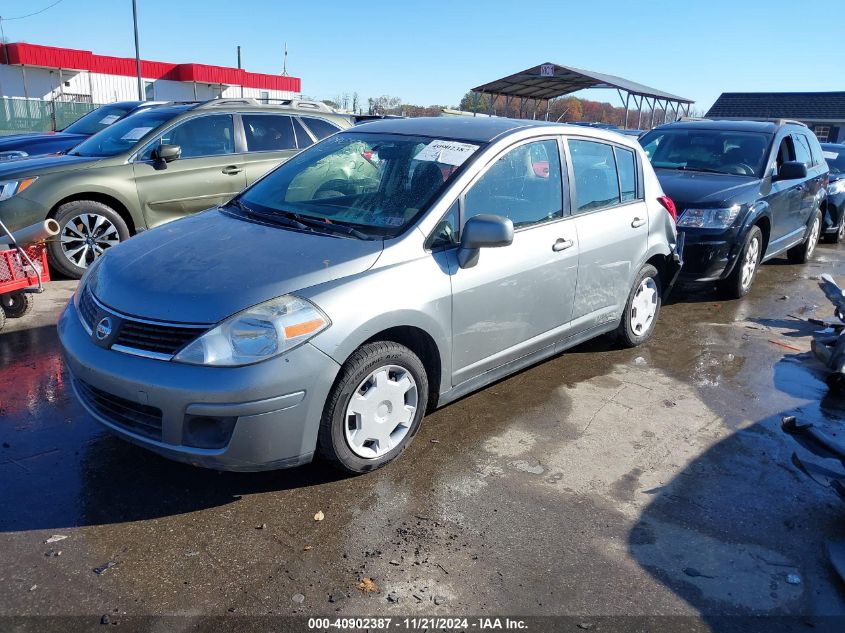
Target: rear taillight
(669, 205)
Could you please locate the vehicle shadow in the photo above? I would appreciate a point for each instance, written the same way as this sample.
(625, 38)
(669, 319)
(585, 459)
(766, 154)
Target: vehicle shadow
(61, 469)
(740, 533)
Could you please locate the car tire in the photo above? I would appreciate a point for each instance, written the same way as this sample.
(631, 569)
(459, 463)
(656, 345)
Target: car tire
(355, 441)
(739, 282)
(641, 308)
(86, 228)
(801, 254)
(16, 304)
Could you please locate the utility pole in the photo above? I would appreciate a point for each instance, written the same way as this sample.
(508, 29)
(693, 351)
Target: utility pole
(137, 51)
(239, 67)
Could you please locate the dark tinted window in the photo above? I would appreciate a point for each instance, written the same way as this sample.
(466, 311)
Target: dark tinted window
(302, 138)
(596, 183)
(200, 136)
(695, 149)
(523, 185)
(268, 132)
(627, 167)
(802, 149)
(320, 128)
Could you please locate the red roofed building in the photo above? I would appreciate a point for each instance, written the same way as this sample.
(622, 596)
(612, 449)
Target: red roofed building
(65, 74)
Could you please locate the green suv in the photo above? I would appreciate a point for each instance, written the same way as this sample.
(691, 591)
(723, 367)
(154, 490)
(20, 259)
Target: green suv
(153, 167)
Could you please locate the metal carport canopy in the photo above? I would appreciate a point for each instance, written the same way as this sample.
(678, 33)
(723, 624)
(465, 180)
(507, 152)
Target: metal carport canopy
(548, 81)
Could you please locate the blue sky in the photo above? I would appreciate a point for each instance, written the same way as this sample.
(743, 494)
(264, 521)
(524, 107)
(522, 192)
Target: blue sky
(432, 52)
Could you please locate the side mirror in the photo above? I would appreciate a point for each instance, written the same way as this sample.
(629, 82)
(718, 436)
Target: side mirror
(792, 170)
(166, 153)
(483, 231)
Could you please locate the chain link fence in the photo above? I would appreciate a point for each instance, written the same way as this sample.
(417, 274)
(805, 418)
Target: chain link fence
(19, 115)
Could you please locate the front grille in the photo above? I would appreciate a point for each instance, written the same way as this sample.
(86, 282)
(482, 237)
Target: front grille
(87, 308)
(159, 338)
(138, 418)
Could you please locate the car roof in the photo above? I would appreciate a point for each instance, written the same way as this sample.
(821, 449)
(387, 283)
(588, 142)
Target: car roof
(478, 129)
(766, 127)
(836, 146)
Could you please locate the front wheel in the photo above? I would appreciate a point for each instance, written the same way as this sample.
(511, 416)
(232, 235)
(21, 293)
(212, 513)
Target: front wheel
(839, 236)
(86, 229)
(742, 276)
(801, 254)
(641, 309)
(374, 409)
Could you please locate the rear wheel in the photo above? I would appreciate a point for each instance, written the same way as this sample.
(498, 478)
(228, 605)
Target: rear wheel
(641, 309)
(16, 304)
(745, 270)
(86, 229)
(801, 253)
(375, 407)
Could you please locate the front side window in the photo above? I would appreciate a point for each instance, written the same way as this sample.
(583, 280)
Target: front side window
(376, 183)
(524, 185)
(627, 166)
(268, 132)
(320, 127)
(715, 151)
(594, 171)
(203, 136)
(802, 149)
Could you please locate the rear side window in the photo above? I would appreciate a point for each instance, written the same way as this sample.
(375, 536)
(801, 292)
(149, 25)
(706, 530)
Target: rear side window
(319, 127)
(268, 132)
(802, 149)
(627, 167)
(302, 138)
(596, 179)
(524, 185)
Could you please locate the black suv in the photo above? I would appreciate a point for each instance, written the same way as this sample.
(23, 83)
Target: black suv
(746, 191)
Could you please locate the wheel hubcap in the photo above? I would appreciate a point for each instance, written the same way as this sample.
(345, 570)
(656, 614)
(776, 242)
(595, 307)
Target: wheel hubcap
(86, 236)
(814, 236)
(380, 413)
(749, 263)
(644, 306)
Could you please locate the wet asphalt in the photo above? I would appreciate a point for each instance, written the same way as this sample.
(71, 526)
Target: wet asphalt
(653, 481)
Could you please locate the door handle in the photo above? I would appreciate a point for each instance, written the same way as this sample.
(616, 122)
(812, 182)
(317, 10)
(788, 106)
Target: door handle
(637, 222)
(562, 244)
(232, 170)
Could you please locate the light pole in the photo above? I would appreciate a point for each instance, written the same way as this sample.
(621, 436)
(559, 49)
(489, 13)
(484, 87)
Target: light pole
(137, 51)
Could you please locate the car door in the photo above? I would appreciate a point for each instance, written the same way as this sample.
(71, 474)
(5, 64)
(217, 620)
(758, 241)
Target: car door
(611, 219)
(208, 172)
(817, 172)
(271, 139)
(808, 187)
(518, 299)
(784, 198)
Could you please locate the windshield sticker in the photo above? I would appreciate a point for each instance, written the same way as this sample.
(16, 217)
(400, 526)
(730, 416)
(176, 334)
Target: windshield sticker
(446, 152)
(135, 133)
(831, 155)
(108, 120)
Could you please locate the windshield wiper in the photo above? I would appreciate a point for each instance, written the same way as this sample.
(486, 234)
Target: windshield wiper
(301, 222)
(272, 216)
(706, 170)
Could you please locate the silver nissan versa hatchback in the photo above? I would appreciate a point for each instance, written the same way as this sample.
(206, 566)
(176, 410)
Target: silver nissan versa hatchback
(383, 272)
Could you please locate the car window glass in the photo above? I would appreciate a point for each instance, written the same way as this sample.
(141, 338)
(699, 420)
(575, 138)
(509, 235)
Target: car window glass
(627, 167)
(802, 149)
(523, 185)
(268, 132)
(201, 136)
(302, 138)
(320, 128)
(707, 150)
(594, 169)
(446, 232)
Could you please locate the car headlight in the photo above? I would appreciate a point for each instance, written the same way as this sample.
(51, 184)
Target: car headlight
(9, 188)
(258, 333)
(13, 154)
(709, 218)
(837, 186)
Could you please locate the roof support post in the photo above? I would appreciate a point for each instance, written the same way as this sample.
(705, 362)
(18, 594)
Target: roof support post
(640, 115)
(627, 101)
(653, 106)
(491, 112)
(548, 107)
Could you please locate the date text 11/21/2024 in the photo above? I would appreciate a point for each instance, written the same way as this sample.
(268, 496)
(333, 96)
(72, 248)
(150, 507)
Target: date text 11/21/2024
(417, 623)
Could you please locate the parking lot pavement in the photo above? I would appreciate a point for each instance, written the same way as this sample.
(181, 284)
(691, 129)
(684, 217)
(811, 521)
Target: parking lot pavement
(645, 481)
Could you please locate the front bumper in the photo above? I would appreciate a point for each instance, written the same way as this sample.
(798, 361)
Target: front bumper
(709, 256)
(834, 210)
(18, 212)
(275, 406)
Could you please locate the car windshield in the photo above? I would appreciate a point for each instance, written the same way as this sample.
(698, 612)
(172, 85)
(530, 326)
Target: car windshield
(377, 184)
(123, 135)
(97, 120)
(717, 151)
(835, 157)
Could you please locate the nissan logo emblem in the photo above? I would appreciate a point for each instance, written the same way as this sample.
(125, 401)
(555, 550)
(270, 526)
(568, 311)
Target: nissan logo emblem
(103, 328)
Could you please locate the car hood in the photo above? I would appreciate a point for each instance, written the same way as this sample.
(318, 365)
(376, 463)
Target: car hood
(25, 167)
(40, 143)
(206, 267)
(690, 188)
